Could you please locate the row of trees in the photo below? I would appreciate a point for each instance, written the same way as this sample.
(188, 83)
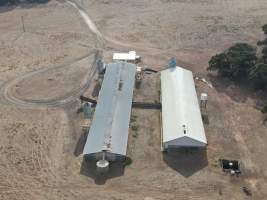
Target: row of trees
(16, 2)
(240, 62)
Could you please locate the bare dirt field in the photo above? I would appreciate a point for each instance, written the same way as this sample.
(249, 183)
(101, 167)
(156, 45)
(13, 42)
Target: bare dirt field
(44, 69)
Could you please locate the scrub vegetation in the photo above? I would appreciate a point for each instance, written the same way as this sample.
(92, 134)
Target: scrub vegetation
(16, 2)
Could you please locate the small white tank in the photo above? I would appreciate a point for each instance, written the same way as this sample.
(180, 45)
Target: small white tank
(204, 97)
(102, 166)
(203, 100)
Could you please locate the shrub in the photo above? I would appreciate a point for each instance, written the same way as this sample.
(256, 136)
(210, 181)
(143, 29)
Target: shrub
(264, 28)
(258, 75)
(133, 118)
(135, 128)
(128, 161)
(264, 109)
(263, 42)
(16, 2)
(264, 54)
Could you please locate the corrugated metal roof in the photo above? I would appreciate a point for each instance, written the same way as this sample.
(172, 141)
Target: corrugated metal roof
(181, 117)
(112, 115)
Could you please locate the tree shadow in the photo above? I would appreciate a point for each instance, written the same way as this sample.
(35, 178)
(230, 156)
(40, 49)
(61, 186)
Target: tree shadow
(238, 91)
(88, 168)
(186, 161)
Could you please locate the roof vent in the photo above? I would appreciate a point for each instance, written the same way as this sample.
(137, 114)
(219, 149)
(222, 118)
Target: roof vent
(120, 85)
(184, 129)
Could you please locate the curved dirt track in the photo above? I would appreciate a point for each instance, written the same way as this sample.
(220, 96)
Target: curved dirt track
(8, 95)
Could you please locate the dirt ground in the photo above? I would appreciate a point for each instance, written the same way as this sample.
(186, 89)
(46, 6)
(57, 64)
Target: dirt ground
(44, 69)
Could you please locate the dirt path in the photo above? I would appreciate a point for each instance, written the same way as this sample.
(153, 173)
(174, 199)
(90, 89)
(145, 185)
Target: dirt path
(91, 25)
(102, 38)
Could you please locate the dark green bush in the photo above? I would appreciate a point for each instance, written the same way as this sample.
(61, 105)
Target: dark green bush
(264, 109)
(264, 28)
(264, 54)
(258, 75)
(16, 2)
(263, 42)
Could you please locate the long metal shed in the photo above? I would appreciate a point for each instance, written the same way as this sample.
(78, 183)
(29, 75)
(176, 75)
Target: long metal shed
(109, 130)
(182, 124)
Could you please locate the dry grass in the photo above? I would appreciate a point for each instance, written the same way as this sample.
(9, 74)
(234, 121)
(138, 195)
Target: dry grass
(37, 147)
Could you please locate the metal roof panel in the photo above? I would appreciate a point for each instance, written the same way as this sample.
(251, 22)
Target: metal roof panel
(112, 115)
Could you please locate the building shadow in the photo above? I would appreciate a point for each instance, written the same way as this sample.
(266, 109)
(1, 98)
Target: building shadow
(80, 144)
(88, 168)
(96, 89)
(205, 118)
(186, 161)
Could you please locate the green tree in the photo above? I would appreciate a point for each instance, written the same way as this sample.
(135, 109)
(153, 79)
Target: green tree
(264, 109)
(262, 42)
(264, 28)
(234, 62)
(264, 54)
(258, 75)
(16, 2)
(220, 63)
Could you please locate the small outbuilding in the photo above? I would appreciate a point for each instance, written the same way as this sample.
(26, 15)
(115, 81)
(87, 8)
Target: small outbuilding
(182, 124)
(126, 57)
